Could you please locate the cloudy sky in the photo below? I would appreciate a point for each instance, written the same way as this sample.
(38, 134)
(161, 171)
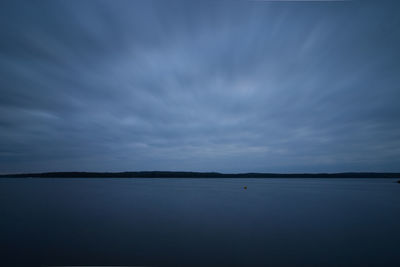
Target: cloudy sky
(230, 86)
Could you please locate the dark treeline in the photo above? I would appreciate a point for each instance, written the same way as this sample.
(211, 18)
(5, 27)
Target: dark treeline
(161, 174)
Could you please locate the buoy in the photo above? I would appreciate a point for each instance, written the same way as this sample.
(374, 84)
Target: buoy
(246, 187)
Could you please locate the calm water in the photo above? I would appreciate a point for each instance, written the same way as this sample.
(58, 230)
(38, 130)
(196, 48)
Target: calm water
(199, 221)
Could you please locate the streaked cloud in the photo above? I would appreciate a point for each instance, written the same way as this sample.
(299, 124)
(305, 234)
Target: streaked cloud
(228, 86)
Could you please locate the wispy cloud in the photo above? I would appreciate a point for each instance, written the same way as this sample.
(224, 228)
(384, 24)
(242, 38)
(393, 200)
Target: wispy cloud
(199, 85)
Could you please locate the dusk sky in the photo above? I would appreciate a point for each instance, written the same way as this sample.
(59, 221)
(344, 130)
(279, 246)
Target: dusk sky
(228, 86)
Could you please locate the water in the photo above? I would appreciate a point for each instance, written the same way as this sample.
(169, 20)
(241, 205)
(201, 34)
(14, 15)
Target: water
(199, 222)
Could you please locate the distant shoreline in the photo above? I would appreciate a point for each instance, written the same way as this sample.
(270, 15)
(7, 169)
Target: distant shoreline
(167, 174)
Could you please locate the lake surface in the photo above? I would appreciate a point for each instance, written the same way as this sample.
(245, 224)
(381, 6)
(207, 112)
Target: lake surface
(164, 221)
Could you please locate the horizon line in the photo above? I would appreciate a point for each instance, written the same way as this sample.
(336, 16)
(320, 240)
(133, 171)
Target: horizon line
(198, 172)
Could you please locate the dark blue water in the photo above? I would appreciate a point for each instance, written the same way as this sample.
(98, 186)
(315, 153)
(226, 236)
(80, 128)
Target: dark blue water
(200, 222)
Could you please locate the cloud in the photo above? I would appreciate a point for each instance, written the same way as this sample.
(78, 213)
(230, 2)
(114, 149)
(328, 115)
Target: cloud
(203, 85)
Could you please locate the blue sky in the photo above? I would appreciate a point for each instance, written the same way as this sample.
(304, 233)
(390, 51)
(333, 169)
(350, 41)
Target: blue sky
(230, 86)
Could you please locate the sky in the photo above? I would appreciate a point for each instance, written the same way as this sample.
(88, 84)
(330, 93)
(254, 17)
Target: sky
(228, 86)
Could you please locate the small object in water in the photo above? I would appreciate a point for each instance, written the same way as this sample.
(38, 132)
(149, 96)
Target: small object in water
(398, 181)
(246, 186)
